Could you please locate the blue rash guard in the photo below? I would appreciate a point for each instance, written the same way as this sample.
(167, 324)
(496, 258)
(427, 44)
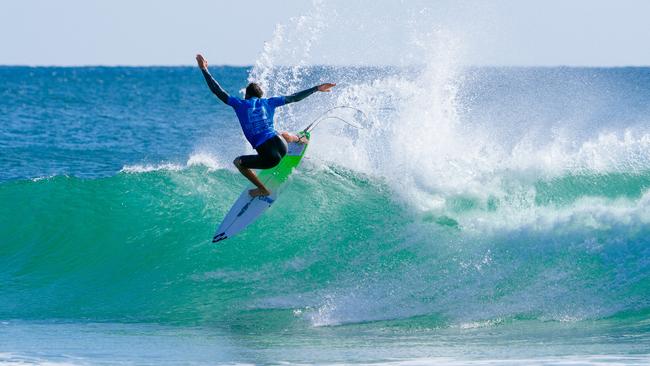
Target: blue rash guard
(256, 117)
(255, 114)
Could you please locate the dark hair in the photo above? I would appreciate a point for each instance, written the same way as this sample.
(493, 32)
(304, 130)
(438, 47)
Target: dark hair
(253, 90)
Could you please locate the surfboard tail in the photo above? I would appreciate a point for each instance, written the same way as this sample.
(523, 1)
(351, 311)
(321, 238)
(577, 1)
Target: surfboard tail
(219, 237)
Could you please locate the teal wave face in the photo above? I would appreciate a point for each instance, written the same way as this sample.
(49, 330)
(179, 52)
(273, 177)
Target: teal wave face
(336, 248)
(568, 189)
(562, 191)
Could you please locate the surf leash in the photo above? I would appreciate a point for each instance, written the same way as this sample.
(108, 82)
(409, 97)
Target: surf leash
(324, 116)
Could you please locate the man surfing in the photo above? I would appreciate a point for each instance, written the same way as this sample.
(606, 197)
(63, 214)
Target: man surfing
(255, 116)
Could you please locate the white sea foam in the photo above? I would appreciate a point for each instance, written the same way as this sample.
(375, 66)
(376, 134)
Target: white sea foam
(15, 359)
(587, 213)
(145, 168)
(202, 159)
(36, 179)
(207, 160)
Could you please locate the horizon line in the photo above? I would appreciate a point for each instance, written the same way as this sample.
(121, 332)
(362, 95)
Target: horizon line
(315, 65)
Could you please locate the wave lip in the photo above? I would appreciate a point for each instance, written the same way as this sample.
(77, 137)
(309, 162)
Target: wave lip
(145, 168)
(199, 159)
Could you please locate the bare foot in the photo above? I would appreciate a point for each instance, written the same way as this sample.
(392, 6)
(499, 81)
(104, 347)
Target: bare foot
(259, 192)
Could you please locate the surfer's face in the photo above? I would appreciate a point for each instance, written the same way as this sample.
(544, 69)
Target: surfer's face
(254, 90)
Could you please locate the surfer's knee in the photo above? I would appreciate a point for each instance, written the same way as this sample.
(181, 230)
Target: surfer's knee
(237, 162)
(275, 159)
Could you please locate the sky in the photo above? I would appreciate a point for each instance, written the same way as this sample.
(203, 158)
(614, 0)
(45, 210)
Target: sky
(166, 32)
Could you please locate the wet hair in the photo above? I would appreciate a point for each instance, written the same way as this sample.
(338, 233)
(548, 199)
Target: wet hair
(253, 90)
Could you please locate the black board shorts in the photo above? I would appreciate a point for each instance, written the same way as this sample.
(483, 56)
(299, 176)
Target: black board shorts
(269, 154)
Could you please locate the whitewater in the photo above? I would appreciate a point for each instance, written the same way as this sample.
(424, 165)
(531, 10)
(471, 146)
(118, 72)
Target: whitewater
(478, 215)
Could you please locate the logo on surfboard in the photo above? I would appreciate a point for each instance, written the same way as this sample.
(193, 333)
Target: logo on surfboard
(266, 199)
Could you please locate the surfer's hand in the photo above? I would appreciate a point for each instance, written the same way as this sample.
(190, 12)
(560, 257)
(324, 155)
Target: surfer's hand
(202, 62)
(326, 87)
(289, 137)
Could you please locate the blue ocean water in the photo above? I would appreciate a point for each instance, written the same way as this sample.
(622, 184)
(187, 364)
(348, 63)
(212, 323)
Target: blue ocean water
(90, 122)
(475, 216)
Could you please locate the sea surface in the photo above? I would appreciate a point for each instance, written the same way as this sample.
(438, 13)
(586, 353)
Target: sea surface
(469, 216)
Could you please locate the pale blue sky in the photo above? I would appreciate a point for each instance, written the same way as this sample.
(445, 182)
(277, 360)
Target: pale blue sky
(164, 32)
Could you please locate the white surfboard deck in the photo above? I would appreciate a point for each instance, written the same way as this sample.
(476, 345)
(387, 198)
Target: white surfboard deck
(245, 210)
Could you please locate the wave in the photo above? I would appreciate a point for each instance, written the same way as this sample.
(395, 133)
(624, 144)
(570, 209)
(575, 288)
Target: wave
(337, 248)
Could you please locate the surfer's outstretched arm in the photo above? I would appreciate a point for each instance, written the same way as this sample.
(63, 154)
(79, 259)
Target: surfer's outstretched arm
(297, 97)
(212, 84)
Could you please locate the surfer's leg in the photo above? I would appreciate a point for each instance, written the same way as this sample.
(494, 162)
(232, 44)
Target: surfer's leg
(251, 176)
(269, 155)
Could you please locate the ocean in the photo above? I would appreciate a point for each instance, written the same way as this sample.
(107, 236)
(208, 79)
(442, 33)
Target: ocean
(471, 216)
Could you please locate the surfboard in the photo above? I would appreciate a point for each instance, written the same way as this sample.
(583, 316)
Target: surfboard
(247, 209)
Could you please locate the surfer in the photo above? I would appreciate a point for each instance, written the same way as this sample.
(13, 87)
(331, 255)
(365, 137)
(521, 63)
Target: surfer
(255, 116)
